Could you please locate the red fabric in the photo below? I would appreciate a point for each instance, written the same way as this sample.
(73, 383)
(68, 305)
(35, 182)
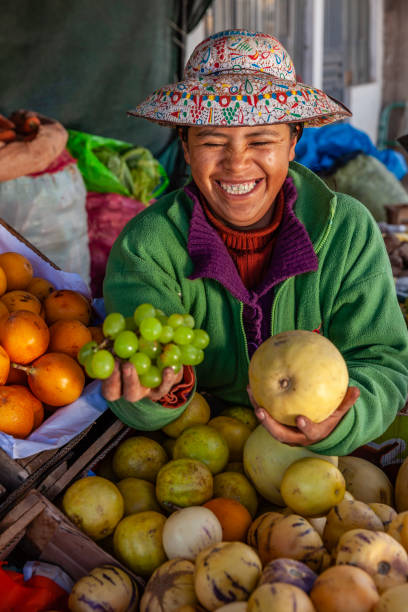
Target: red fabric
(34, 595)
(250, 250)
(179, 393)
(108, 213)
(58, 164)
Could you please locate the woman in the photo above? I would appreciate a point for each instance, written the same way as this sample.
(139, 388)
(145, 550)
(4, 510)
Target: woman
(256, 244)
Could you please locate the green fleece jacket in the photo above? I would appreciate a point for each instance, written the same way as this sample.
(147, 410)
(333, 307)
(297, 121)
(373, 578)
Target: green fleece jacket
(351, 298)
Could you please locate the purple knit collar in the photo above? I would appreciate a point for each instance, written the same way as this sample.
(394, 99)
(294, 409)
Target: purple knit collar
(293, 253)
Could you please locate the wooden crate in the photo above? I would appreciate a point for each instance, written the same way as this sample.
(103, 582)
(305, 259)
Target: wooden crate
(36, 530)
(20, 475)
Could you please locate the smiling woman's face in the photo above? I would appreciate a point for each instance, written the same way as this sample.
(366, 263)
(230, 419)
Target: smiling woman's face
(240, 170)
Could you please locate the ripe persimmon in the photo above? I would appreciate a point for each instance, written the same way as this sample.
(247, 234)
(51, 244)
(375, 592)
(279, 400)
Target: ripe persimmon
(18, 299)
(235, 519)
(67, 336)
(17, 268)
(67, 304)
(56, 379)
(4, 366)
(38, 410)
(16, 410)
(24, 335)
(40, 287)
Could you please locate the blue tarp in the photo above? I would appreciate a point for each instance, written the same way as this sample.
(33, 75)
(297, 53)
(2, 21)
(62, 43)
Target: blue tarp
(325, 148)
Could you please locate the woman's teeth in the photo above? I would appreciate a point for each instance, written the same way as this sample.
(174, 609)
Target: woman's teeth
(239, 188)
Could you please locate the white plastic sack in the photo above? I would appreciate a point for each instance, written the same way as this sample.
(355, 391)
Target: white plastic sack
(49, 210)
(65, 423)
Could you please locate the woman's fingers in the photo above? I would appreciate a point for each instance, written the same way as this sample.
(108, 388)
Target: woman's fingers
(170, 378)
(133, 390)
(112, 386)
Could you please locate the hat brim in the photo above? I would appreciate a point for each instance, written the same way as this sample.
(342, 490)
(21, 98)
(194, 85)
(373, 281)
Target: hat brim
(239, 100)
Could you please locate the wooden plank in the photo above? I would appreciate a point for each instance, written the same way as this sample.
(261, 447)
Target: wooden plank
(100, 447)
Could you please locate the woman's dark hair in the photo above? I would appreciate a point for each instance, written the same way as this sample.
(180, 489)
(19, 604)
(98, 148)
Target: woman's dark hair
(296, 129)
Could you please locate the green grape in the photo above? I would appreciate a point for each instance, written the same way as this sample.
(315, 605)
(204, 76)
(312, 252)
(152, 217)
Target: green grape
(143, 311)
(200, 339)
(175, 368)
(102, 364)
(188, 320)
(166, 334)
(175, 320)
(189, 354)
(199, 358)
(86, 351)
(152, 378)
(113, 324)
(141, 362)
(150, 328)
(125, 344)
(130, 323)
(162, 318)
(171, 355)
(183, 335)
(88, 366)
(150, 348)
(159, 312)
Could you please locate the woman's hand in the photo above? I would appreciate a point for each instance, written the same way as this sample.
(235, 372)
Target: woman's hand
(124, 382)
(306, 432)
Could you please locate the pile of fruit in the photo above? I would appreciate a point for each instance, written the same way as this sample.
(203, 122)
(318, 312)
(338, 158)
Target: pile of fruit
(218, 515)
(41, 331)
(187, 509)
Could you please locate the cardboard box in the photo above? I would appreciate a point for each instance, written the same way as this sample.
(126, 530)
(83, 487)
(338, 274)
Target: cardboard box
(36, 530)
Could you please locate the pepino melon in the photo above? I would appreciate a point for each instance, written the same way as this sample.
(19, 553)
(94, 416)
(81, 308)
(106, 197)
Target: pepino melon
(296, 373)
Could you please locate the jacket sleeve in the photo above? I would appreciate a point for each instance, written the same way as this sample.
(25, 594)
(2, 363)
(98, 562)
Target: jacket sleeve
(132, 278)
(368, 327)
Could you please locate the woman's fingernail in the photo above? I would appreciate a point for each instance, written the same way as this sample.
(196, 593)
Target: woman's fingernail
(301, 422)
(260, 415)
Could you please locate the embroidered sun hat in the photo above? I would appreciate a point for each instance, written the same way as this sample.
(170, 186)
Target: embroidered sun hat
(240, 78)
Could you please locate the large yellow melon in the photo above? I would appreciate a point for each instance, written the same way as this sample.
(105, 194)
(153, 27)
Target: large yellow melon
(266, 460)
(298, 373)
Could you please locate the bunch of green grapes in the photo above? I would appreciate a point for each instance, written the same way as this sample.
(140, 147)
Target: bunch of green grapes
(150, 340)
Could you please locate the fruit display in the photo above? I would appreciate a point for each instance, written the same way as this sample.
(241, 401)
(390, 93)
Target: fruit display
(41, 331)
(150, 340)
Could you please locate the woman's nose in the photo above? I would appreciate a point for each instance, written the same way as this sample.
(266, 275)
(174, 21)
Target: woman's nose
(236, 158)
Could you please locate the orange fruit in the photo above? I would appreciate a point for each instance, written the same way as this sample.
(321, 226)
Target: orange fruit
(38, 410)
(234, 518)
(21, 300)
(67, 304)
(67, 336)
(40, 287)
(4, 366)
(24, 335)
(3, 281)
(96, 333)
(56, 379)
(17, 268)
(16, 411)
(3, 309)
